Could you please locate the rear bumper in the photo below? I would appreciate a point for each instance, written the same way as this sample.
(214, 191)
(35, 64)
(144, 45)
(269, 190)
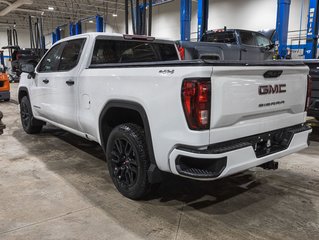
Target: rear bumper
(237, 156)
(4, 95)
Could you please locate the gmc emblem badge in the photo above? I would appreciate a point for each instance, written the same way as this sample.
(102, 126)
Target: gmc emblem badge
(272, 89)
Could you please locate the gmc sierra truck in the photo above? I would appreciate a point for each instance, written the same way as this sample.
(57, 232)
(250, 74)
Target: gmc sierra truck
(153, 113)
(229, 44)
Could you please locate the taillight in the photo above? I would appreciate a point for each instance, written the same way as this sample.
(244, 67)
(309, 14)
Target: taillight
(196, 95)
(181, 52)
(309, 90)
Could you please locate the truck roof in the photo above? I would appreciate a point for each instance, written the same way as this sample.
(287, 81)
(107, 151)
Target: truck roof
(117, 36)
(229, 30)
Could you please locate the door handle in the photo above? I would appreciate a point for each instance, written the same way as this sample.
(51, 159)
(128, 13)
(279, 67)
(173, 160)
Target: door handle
(46, 81)
(70, 82)
(244, 49)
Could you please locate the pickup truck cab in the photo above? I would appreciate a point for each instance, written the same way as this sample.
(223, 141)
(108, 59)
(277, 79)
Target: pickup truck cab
(151, 112)
(230, 44)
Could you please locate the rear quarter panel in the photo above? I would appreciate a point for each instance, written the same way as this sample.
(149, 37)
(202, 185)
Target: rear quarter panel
(159, 94)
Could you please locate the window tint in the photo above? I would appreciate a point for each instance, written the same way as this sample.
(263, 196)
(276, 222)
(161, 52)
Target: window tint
(143, 52)
(220, 37)
(115, 51)
(247, 38)
(71, 54)
(51, 61)
(262, 41)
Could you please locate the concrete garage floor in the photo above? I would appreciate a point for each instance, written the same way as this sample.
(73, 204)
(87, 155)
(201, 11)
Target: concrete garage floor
(56, 186)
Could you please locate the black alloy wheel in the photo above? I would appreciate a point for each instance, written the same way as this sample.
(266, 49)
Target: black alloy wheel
(127, 160)
(29, 123)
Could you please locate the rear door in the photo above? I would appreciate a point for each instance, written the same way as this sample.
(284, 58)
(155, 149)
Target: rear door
(248, 100)
(65, 84)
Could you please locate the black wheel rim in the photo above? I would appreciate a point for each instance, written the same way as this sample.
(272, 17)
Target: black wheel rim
(25, 114)
(124, 162)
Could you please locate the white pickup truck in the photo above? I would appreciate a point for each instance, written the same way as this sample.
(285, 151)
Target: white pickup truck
(151, 112)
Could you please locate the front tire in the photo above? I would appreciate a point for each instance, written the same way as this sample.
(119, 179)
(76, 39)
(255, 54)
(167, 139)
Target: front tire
(29, 123)
(128, 161)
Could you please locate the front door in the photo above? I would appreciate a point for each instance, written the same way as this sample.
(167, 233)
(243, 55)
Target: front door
(42, 85)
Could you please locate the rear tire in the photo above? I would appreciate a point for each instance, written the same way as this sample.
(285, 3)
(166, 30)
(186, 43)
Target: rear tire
(128, 161)
(29, 123)
(7, 100)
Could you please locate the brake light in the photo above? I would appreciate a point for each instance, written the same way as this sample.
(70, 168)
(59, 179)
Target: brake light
(181, 52)
(196, 103)
(309, 90)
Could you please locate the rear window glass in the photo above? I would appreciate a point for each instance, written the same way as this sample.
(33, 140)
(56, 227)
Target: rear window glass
(115, 51)
(220, 37)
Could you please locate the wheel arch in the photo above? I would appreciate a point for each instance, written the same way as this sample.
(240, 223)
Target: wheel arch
(123, 109)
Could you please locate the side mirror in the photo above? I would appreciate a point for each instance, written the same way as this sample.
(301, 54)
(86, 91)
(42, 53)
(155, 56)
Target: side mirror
(270, 46)
(28, 68)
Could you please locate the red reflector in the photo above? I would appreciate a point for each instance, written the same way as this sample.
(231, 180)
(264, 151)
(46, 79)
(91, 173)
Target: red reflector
(182, 53)
(196, 103)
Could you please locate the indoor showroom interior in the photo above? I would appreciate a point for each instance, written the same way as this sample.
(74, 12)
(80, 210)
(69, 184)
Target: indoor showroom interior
(159, 119)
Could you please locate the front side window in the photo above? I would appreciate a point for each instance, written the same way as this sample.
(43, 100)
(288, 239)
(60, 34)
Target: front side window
(247, 38)
(71, 54)
(51, 60)
(262, 41)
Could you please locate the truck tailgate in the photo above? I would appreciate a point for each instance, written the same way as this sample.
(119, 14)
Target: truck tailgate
(248, 100)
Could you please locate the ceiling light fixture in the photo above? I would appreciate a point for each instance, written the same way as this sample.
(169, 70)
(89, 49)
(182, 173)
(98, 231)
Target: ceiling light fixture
(51, 8)
(91, 21)
(114, 14)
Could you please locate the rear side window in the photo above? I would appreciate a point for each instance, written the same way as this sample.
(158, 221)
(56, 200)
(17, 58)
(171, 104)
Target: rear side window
(71, 54)
(220, 37)
(120, 51)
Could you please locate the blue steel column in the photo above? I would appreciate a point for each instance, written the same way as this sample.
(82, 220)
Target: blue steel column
(186, 12)
(2, 58)
(78, 28)
(99, 23)
(282, 25)
(72, 29)
(57, 34)
(312, 30)
(53, 37)
(202, 16)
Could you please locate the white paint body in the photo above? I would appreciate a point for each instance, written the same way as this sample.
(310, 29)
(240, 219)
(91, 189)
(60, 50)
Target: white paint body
(235, 112)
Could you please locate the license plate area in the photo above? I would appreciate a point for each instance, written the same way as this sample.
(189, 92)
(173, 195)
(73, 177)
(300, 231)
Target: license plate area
(263, 144)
